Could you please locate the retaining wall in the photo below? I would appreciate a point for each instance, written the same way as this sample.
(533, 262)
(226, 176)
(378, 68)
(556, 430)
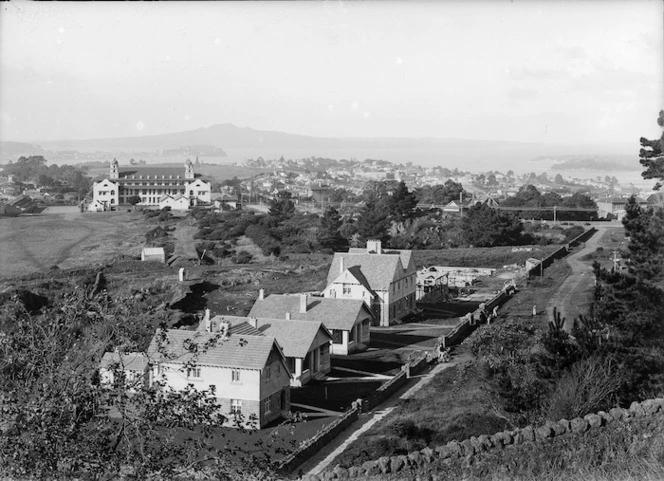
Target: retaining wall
(475, 445)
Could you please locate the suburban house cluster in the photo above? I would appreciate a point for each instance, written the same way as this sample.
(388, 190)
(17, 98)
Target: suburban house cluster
(286, 340)
(174, 187)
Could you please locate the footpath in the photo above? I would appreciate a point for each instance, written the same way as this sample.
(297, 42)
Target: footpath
(572, 296)
(316, 464)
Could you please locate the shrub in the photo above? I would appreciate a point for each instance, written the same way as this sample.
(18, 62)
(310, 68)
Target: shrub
(242, 257)
(589, 386)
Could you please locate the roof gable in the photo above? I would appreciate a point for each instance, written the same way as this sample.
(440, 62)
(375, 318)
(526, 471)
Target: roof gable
(334, 313)
(379, 270)
(294, 336)
(241, 351)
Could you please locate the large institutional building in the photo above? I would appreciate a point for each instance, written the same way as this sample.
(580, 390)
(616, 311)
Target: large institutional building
(175, 187)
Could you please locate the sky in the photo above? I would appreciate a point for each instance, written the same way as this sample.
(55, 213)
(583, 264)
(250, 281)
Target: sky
(545, 71)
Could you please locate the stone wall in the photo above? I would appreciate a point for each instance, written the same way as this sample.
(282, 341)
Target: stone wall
(475, 445)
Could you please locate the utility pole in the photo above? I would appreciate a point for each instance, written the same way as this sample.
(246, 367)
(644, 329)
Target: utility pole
(615, 260)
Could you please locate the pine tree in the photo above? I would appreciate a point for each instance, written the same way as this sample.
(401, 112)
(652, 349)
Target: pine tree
(373, 222)
(651, 155)
(401, 204)
(329, 233)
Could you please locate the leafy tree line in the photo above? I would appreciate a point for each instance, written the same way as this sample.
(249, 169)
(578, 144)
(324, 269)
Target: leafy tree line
(529, 196)
(64, 178)
(389, 214)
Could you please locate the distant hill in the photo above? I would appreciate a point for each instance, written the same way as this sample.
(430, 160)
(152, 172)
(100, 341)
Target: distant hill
(243, 142)
(13, 150)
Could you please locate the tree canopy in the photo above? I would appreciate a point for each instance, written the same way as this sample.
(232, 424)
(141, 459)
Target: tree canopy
(486, 227)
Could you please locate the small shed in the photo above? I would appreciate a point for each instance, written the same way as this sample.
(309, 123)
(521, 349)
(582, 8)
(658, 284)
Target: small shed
(532, 263)
(177, 202)
(96, 206)
(155, 254)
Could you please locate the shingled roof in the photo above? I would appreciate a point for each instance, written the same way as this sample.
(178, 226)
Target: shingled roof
(379, 270)
(334, 313)
(237, 351)
(238, 325)
(294, 337)
(131, 361)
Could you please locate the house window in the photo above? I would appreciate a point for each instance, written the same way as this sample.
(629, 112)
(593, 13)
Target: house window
(306, 362)
(268, 372)
(235, 375)
(194, 372)
(337, 336)
(267, 405)
(236, 406)
(346, 289)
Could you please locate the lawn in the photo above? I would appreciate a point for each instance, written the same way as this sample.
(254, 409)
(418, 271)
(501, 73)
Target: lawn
(489, 257)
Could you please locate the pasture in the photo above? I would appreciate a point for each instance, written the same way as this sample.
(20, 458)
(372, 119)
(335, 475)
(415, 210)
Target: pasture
(67, 238)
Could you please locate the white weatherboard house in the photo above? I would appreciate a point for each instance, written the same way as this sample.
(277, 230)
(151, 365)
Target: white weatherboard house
(306, 344)
(132, 366)
(385, 280)
(151, 184)
(247, 369)
(348, 320)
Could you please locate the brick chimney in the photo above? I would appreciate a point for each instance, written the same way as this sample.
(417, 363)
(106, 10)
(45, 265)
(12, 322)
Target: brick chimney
(288, 318)
(303, 303)
(342, 268)
(261, 294)
(208, 322)
(253, 322)
(374, 246)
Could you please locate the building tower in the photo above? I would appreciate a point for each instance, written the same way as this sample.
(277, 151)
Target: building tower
(115, 172)
(188, 169)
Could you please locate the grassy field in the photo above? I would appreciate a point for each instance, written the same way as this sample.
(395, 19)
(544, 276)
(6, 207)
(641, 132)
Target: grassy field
(67, 239)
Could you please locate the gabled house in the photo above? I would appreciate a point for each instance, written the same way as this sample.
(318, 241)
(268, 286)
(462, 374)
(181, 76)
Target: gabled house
(131, 369)
(385, 280)
(306, 344)
(615, 208)
(452, 208)
(348, 320)
(96, 206)
(247, 369)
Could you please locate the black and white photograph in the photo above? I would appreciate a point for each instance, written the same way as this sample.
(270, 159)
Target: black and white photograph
(317, 240)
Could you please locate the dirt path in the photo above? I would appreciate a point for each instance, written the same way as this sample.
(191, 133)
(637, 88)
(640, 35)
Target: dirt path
(573, 296)
(323, 459)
